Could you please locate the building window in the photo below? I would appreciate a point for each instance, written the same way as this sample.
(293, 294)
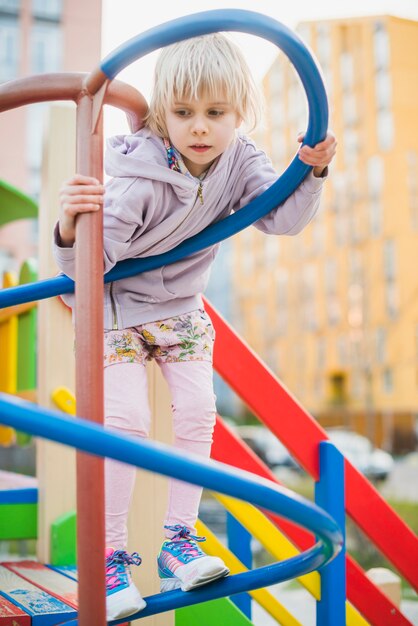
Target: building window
(375, 182)
(381, 340)
(309, 303)
(271, 251)
(387, 380)
(389, 271)
(9, 48)
(324, 53)
(47, 9)
(389, 259)
(11, 7)
(385, 129)
(304, 31)
(356, 267)
(298, 115)
(279, 150)
(331, 280)
(342, 351)
(383, 86)
(391, 299)
(350, 113)
(276, 81)
(282, 281)
(46, 48)
(351, 144)
(381, 46)
(347, 71)
(321, 353)
(318, 234)
(412, 181)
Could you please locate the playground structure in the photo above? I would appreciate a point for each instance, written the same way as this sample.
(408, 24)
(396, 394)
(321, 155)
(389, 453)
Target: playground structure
(233, 360)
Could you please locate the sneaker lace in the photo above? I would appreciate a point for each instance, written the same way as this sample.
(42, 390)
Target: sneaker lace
(184, 541)
(116, 565)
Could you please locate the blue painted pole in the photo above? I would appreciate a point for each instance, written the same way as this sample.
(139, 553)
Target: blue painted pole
(239, 542)
(330, 495)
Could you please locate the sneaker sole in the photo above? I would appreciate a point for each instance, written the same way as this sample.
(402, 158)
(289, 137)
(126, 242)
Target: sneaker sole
(170, 584)
(126, 603)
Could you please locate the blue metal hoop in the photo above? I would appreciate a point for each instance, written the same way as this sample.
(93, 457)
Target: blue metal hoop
(162, 459)
(163, 35)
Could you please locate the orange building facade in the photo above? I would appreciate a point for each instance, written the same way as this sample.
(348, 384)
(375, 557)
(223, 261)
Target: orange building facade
(334, 311)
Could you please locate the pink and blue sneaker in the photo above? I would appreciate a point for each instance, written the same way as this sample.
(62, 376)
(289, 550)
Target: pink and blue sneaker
(122, 597)
(183, 564)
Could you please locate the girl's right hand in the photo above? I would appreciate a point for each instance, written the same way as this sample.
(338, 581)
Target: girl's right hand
(80, 194)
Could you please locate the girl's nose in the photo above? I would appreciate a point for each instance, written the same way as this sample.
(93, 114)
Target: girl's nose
(199, 126)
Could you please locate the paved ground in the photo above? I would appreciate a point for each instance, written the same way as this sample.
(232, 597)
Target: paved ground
(302, 606)
(402, 482)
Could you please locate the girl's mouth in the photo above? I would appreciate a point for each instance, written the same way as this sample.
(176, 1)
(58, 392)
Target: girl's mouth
(200, 147)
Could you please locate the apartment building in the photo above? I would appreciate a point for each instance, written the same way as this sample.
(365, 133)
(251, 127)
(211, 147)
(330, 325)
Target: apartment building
(37, 36)
(334, 310)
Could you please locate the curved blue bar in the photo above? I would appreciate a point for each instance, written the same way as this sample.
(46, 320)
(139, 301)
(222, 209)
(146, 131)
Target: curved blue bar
(162, 459)
(189, 26)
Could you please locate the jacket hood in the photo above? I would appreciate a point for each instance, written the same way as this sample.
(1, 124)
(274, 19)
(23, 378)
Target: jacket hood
(141, 155)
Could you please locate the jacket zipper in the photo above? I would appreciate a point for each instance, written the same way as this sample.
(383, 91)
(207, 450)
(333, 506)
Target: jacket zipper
(200, 192)
(112, 301)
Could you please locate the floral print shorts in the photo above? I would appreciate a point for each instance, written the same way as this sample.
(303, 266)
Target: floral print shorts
(187, 337)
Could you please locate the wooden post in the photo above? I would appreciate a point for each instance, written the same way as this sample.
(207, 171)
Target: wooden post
(89, 378)
(55, 463)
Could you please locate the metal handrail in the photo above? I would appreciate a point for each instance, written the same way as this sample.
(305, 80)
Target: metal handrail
(163, 459)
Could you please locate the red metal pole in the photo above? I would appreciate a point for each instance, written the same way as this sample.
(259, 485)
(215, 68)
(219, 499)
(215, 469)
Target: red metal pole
(89, 378)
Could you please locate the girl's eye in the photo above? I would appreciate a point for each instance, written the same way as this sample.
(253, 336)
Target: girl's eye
(182, 112)
(215, 112)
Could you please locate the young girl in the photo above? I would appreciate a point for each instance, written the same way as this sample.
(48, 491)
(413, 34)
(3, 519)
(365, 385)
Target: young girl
(187, 168)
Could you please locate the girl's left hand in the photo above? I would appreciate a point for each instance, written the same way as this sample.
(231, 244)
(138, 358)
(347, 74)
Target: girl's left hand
(321, 155)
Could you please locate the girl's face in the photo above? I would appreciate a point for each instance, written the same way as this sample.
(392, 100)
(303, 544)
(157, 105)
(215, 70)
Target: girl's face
(201, 130)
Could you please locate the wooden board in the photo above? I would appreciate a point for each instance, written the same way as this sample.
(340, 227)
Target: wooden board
(11, 615)
(44, 609)
(61, 587)
(65, 570)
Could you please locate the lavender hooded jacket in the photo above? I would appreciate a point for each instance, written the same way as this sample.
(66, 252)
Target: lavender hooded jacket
(150, 209)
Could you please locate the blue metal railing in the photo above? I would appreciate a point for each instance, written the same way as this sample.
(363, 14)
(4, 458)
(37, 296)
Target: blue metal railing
(213, 475)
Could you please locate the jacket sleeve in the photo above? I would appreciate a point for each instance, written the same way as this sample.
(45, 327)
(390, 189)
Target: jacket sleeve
(290, 217)
(123, 215)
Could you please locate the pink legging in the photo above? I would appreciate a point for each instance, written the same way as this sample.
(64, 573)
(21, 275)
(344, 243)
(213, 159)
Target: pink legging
(127, 411)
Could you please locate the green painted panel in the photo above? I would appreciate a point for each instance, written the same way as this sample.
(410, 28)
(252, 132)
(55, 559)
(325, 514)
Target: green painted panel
(15, 205)
(18, 521)
(64, 540)
(26, 341)
(214, 613)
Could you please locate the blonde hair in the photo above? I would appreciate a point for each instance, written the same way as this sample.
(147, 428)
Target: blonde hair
(210, 65)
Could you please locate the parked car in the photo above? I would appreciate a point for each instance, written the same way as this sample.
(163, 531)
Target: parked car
(374, 463)
(266, 445)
